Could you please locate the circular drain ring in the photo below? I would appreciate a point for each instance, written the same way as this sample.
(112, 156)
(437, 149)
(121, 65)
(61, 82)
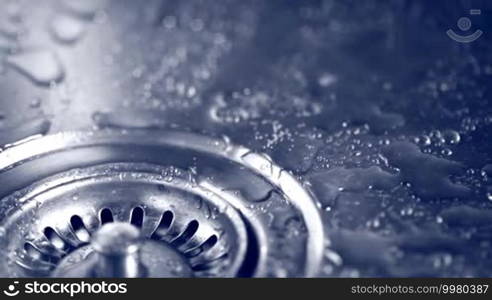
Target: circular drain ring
(16, 177)
(111, 192)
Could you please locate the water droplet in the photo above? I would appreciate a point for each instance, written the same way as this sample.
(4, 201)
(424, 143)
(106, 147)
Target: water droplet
(35, 103)
(169, 22)
(444, 87)
(280, 272)
(387, 86)
(327, 79)
(489, 195)
(446, 152)
(424, 140)
(66, 29)
(451, 137)
(42, 67)
(196, 25)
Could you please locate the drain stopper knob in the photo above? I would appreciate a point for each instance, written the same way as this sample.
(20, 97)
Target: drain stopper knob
(117, 247)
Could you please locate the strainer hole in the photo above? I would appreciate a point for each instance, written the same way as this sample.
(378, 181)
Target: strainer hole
(36, 254)
(208, 244)
(187, 234)
(32, 251)
(164, 224)
(54, 238)
(106, 216)
(209, 264)
(137, 217)
(79, 229)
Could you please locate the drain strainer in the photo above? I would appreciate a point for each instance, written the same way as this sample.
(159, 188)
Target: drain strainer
(157, 203)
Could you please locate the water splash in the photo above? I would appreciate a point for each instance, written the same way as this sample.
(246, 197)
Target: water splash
(428, 174)
(328, 184)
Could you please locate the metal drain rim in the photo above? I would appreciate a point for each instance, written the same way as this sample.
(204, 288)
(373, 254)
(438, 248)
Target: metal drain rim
(58, 185)
(287, 184)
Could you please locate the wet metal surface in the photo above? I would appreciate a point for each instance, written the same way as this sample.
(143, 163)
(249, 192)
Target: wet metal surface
(378, 112)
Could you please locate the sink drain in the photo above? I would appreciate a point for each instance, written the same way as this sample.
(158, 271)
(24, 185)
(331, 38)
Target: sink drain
(193, 206)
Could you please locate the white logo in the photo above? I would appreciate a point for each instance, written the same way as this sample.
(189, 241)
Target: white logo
(464, 24)
(11, 290)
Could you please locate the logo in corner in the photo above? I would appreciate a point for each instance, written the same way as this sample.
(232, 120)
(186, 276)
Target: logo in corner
(464, 24)
(11, 290)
